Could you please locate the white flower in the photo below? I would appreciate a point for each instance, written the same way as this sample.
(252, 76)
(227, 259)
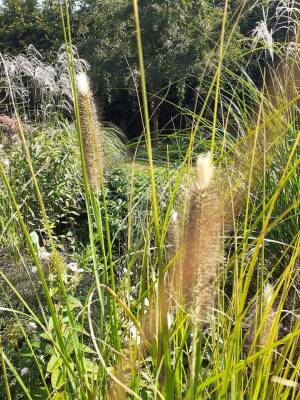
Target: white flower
(24, 371)
(34, 269)
(134, 334)
(6, 162)
(74, 267)
(32, 326)
(43, 254)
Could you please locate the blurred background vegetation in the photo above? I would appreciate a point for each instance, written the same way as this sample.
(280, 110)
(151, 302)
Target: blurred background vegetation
(180, 45)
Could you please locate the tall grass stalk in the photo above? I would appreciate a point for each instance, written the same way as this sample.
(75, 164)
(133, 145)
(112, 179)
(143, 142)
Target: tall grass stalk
(162, 332)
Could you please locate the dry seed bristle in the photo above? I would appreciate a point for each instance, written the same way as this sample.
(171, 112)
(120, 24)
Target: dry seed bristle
(205, 171)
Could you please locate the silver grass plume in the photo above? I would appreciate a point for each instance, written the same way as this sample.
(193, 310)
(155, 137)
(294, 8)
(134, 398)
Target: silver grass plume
(33, 81)
(90, 131)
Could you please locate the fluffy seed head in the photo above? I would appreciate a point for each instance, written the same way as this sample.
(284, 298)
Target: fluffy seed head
(267, 328)
(205, 170)
(196, 268)
(83, 84)
(174, 216)
(91, 131)
(268, 294)
(175, 273)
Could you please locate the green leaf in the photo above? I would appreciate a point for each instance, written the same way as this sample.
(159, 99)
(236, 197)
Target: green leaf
(59, 396)
(56, 378)
(53, 291)
(74, 303)
(54, 363)
(35, 239)
(86, 349)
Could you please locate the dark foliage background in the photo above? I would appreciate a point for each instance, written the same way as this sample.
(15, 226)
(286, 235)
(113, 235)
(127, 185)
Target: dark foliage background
(180, 41)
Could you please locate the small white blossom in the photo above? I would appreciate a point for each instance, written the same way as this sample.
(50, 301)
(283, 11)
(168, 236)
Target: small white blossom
(6, 162)
(43, 254)
(32, 326)
(34, 269)
(73, 266)
(24, 371)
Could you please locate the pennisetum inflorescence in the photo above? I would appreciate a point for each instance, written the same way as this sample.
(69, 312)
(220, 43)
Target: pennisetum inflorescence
(195, 269)
(90, 132)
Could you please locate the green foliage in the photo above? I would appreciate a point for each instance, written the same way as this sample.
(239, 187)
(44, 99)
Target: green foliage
(180, 41)
(20, 24)
(55, 156)
(281, 240)
(119, 191)
(56, 162)
(31, 22)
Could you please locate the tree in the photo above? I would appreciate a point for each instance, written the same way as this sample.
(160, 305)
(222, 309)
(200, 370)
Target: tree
(32, 22)
(178, 37)
(19, 24)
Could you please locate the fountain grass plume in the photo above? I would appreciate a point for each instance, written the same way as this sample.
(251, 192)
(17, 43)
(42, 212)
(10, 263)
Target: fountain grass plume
(91, 132)
(196, 268)
(267, 328)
